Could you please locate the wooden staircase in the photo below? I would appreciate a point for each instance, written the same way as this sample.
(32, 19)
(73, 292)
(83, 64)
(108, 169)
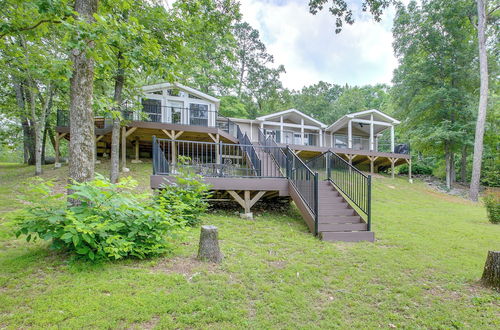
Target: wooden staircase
(337, 220)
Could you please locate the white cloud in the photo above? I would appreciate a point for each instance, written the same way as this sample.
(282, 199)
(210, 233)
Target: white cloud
(311, 51)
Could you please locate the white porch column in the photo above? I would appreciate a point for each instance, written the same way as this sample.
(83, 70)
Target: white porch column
(281, 130)
(349, 134)
(251, 131)
(392, 138)
(371, 134)
(320, 137)
(302, 131)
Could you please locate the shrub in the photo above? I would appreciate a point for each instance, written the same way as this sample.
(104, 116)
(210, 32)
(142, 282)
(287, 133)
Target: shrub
(111, 222)
(186, 197)
(416, 168)
(492, 203)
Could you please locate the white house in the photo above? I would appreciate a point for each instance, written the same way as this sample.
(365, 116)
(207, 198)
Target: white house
(173, 103)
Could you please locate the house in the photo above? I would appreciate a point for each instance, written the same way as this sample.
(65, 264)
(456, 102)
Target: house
(284, 154)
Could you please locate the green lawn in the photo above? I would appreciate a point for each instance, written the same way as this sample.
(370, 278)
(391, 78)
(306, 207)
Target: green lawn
(422, 272)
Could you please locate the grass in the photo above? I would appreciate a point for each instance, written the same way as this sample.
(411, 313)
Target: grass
(422, 272)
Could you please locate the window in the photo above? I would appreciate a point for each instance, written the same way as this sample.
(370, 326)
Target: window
(152, 108)
(198, 114)
(340, 141)
(174, 92)
(191, 96)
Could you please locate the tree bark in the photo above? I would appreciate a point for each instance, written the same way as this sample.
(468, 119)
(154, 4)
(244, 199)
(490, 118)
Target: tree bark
(491, 273)
(28, 146)
(115, 135)
(483, 101)
(448, 161)
(209, 245)
(463, 165)
(82, 137)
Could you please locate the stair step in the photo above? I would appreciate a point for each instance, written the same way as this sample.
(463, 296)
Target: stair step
(342, 227)
(355, 236)
(340, 219)
(336, 211)
(333, 205)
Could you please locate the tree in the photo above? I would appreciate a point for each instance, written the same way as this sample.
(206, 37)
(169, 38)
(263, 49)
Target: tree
(431, 41)
(82, 142)
(483, 97)
(343, 14)
(131, 48)
(250, 51)
(209, 44)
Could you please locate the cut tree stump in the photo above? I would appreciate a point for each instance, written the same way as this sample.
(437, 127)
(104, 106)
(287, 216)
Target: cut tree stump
(209, 245)
(491, 273)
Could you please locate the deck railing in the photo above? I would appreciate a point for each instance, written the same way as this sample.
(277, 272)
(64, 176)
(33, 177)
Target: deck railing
(355, 185)
(211, 159)
(305, 182)
(167, 115)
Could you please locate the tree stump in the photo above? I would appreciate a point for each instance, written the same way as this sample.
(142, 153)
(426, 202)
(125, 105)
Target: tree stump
(491, 273)
(209, 245)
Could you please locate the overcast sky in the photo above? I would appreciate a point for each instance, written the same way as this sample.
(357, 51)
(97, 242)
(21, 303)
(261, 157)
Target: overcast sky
(310, 50)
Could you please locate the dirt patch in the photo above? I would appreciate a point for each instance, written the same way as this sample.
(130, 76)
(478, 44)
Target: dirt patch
(151, 323)
(187, 266)
(278, 264)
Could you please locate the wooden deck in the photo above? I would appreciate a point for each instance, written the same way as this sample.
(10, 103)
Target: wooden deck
(337, 220)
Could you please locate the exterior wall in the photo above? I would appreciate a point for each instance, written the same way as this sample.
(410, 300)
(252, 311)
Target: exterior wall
(182, 101)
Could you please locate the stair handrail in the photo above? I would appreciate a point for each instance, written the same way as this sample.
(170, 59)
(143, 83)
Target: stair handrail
(160, 163)
(247, 147)
(305, 182)
(354, 184)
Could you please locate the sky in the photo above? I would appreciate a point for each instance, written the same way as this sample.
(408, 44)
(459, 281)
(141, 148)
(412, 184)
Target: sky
(310, 50)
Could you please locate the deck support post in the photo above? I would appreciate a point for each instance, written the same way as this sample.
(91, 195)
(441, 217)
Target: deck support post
(409, 170)
(59, 136)
(350, 157)
(97, 139)
(218, 147)
(393, 161)
(246, 202)
(137, 159)
(372, 163)
(124, 150)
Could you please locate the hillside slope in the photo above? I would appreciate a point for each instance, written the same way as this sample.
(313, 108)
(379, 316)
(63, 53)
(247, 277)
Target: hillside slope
(421, 272)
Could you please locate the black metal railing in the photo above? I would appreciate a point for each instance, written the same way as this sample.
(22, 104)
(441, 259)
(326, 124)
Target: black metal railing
(249, 150)
(276, 152)
(305, 182)
(355, 185)
(161, 114)
(212, 159)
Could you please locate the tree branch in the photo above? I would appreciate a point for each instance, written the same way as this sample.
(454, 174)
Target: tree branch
(27, 28)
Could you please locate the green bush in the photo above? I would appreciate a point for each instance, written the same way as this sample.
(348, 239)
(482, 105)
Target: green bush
(416, 169)
(186, 197)
(111, 221)
(492, 203)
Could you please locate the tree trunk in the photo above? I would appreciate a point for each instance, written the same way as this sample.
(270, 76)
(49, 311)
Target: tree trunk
(115, 135)
(463, 165)
(448, 161)
(82, 141)
(209, 245)
(44, 142)
(38, 128)
(491, 273)
(483, 101)
(28, 146)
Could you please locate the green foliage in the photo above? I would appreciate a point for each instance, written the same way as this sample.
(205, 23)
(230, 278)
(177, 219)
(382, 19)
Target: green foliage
(111, 222)
(492, 203)
(416, 168)
(231, 106)
(186, 198)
